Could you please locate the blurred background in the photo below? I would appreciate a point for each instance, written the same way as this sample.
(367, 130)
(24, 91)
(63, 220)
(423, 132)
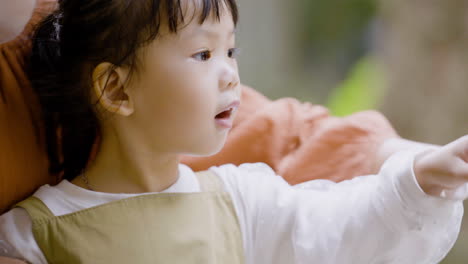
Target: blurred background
(407, 59)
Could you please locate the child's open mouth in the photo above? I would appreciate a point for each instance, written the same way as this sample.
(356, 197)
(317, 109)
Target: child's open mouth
(224, 114)
(223, 119)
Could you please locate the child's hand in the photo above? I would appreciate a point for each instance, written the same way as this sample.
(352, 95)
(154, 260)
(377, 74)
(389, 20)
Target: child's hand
(444, 172)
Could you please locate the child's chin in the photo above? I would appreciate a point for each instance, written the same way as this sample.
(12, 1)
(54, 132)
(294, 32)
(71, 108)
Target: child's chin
(208, 150)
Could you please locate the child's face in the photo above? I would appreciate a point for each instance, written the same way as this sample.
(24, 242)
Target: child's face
(185, 80)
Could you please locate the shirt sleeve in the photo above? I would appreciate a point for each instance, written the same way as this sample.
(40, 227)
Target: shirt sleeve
(7, 250)
(16, 238)
(384, 218)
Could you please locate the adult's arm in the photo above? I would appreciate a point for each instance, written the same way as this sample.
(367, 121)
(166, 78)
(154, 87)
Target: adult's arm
(14, 15)
(302, 141)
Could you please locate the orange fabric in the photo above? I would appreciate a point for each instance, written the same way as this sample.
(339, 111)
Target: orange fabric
(299, 140)
(23, 163)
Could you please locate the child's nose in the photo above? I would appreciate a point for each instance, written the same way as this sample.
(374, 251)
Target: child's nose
(229, 77)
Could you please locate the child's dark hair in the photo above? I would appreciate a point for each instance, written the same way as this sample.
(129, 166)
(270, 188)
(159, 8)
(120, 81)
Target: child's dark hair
(71, 42)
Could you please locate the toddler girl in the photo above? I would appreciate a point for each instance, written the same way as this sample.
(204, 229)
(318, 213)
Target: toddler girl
(158, 79)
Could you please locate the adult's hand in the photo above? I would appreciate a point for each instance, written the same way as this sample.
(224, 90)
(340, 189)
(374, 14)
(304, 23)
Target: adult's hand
(14, 15)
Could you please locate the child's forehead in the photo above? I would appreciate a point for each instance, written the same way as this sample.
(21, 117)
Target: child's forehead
(210, 28)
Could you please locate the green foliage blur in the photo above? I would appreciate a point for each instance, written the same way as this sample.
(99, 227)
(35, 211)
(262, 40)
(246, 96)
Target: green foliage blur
(330, 23)
(362, 90)
(334, 38)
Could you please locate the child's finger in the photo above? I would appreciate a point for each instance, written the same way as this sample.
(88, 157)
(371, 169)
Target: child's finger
(450, 182)
(455, 184)
(461, 170)
(460, 148)
(459, 193)
(457, 187)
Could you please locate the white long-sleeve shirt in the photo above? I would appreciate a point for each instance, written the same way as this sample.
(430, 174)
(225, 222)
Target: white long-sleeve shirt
(376, 219)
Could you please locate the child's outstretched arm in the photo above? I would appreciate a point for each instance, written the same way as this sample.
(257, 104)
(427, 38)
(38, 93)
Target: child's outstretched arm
(386, 218)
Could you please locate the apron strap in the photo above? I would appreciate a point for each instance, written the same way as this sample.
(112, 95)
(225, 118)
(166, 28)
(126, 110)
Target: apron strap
(209, 181)
(36, 209)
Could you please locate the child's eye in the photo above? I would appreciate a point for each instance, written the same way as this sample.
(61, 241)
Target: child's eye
(233, 53)
(203, 56)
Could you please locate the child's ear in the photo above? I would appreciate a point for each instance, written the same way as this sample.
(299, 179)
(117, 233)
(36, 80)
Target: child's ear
(109, 85)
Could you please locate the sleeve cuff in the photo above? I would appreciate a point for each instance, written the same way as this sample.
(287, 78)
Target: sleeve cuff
(403, 179)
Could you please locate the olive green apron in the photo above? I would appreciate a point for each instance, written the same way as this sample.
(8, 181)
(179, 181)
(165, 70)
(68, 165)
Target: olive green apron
(172, 228)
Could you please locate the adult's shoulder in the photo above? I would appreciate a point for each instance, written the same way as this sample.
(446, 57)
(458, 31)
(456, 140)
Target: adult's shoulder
(24, 167)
